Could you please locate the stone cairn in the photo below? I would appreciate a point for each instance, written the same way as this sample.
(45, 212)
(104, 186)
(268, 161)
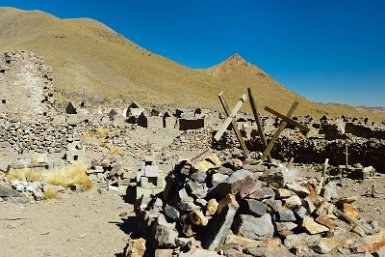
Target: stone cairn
(249, 209)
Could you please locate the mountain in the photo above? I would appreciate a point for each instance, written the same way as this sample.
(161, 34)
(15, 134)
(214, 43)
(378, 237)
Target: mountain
(92, 61)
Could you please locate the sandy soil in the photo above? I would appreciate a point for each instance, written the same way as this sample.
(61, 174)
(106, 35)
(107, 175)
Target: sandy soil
(83, 224)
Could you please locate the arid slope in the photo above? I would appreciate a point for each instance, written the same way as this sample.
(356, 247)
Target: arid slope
(91, 60)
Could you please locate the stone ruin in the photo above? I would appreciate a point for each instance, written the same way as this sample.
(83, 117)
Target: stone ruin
(149, 180)
(75, 151)
(25, 84)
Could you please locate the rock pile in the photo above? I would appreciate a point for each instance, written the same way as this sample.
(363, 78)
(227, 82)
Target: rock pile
(109, 169)
(249, 209)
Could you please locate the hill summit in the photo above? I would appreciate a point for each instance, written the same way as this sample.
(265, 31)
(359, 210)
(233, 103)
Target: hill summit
(92, 61)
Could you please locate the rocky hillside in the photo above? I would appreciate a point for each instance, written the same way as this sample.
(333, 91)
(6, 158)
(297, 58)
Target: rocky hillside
(92, 61)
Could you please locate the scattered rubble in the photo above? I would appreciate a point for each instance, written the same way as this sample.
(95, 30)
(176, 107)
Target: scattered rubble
(245, 205)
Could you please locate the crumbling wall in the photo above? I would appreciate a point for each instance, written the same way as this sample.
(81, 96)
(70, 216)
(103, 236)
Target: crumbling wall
(25, 84)
(37, 134)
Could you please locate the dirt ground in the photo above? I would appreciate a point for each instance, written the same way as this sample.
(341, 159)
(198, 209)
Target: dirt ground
(83, 224)
(370, 207)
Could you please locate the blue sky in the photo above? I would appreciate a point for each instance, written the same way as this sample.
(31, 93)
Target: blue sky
(327, 51)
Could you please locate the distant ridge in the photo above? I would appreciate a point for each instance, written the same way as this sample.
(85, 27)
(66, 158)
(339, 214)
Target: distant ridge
(90, 60)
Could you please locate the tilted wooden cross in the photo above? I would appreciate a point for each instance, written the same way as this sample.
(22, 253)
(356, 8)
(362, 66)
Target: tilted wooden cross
(230, 120)
(285, 120)
(258, 121)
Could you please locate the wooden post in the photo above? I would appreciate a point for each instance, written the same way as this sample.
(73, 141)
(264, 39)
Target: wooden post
(340, 171)
(346, 155)
(258, 121)
(222, 128)
(366, 228)
(234, 125)
(323, 179)
(281, 127)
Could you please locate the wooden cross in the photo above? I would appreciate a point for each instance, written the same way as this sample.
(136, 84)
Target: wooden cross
(230, 120)
(281, 127)
(288, 120)
(258, 120)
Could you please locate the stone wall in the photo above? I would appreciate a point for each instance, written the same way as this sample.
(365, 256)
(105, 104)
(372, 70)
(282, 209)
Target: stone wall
(25, 84)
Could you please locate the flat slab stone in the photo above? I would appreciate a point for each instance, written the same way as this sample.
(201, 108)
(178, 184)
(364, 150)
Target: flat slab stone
(220, 225)
(252, 227)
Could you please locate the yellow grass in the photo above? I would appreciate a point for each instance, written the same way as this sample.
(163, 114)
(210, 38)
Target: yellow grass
(27, 174)
(104, 144)
(101, 132)
(114, 150)
(50, 193)
(86, 133)
(74, 174)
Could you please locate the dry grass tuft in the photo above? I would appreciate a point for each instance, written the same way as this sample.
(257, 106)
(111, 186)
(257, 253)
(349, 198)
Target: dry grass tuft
(86, 133)
(104, 144)
(50, 193)
(74, 174)
(114, 150)
(101, 133)
(27, 174)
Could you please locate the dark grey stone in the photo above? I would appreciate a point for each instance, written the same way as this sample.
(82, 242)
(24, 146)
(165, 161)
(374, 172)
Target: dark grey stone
(252, 227)
(300, 212)
(220, 226)
(7, 191)
(253, 207)
(199, 177)
(165, 237)
(171, 212)
(286, 215)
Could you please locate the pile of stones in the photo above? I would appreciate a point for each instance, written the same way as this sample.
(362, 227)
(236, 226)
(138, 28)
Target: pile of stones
(249, 210)
(109, 169)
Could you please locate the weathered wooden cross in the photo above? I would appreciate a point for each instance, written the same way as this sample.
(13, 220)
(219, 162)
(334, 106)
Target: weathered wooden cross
(258, 120)
(230, 120)
(285, 120)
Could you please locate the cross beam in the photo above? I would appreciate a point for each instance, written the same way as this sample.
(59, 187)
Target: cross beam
(234, 125)
(287, 119)
(281, 127)
(222, 128)
(258, 120)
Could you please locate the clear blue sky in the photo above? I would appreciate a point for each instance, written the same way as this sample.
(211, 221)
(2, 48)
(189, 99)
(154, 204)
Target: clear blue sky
(325, 50)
